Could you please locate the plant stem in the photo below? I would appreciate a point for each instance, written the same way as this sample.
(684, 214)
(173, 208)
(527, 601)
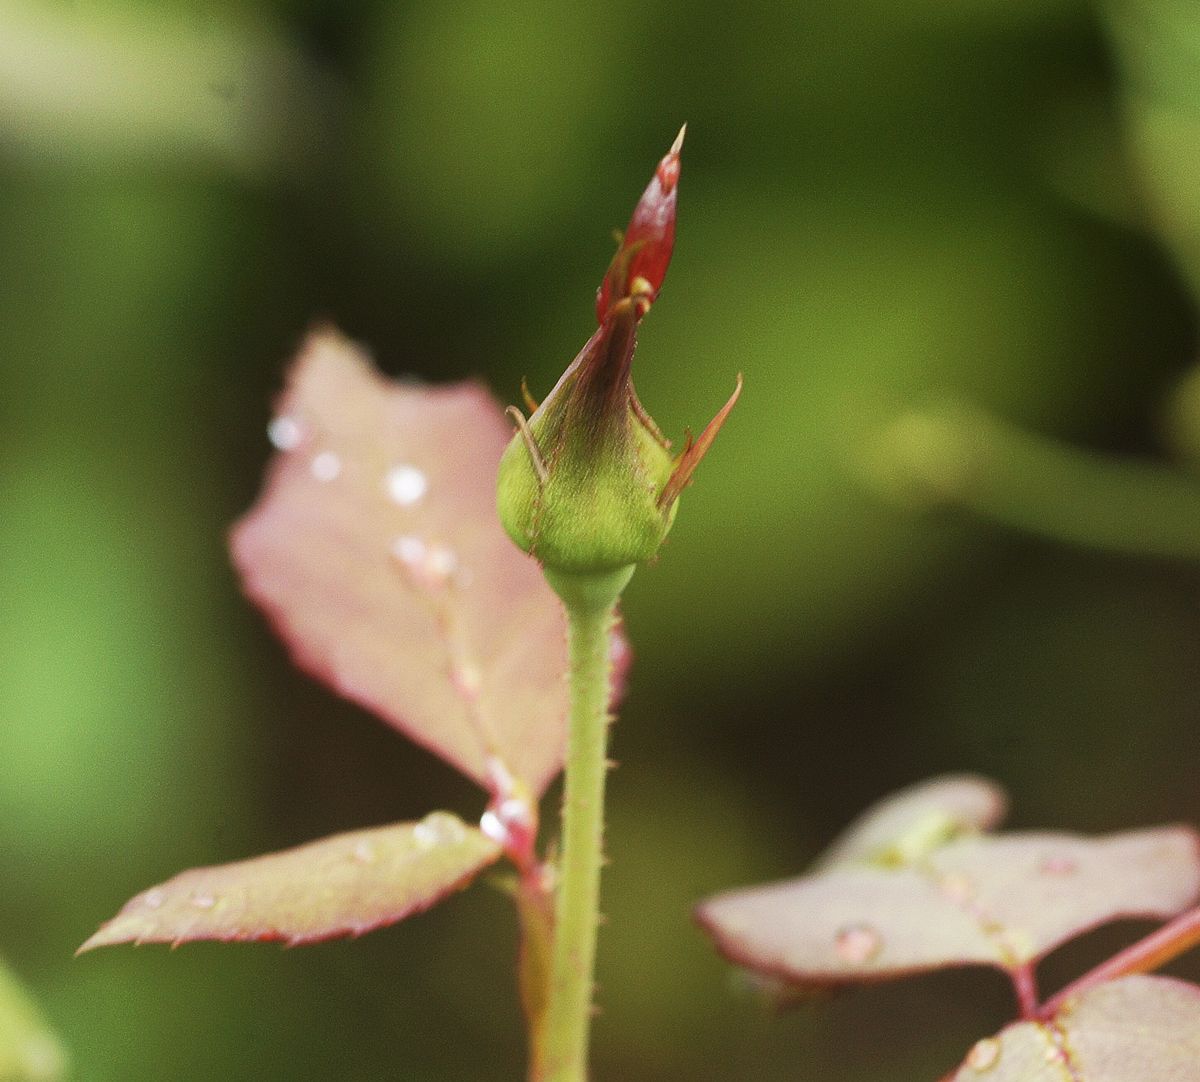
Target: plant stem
(1157, 949)
(963, 457)
(1025, 984)
(591, 605)
(535, 910)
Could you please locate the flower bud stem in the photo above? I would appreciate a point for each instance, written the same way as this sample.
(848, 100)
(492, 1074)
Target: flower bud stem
(591, 613)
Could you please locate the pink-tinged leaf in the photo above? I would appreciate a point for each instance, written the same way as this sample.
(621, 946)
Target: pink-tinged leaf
(1003, 901)
(377, 552)
(908, 824)
(346, 884)
(1139, 1029)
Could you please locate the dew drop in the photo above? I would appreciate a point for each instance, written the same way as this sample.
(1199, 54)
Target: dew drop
(153, 899)
(326, 466)
(1054, 1054)
(285, 432)
(984, 1055)
(493, 826)
(364, 853)
(406, 484)
(410, 551)
(430, 566)
(515, 810)
(511, 821)
(858, 943)
(438, 828)
(1058, 865)
(203, 901)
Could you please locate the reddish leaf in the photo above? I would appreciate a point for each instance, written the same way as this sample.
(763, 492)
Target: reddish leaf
(1135, 1029)
(377, 551)
(343, 885)
(1002, 901)
(907, 824)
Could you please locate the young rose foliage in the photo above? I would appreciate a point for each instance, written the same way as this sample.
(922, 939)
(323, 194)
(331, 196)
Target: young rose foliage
(589, 483)
(376, 553)
(919, 884)
(1137, 1029)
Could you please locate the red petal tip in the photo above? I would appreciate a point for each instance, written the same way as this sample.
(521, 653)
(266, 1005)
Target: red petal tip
(645, 250)
(677, 146)
(668, 169)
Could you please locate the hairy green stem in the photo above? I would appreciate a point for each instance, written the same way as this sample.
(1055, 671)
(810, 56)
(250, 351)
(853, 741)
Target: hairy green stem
(591, 605)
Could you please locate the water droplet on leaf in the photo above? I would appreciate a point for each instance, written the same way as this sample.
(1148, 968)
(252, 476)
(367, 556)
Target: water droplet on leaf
(410, 551)
(438, 828)
(203, 901)
(858, 943)
(326, 466)
(1055, 1054)
(285, 432)
(492, 825)
(984, 1055)
(429, 566)
(153, 899)
(364, 853)
(406, 484)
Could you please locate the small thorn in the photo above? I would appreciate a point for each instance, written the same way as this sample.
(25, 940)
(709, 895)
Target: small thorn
(531, 403)
(535, 454)
(677, 146)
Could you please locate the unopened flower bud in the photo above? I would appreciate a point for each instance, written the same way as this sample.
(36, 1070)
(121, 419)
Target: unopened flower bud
(589, 483)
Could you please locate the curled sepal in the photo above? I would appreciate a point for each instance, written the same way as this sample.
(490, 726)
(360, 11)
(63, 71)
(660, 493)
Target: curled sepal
(644, 254)
(686, 463)
(346, 884)
(579, 483)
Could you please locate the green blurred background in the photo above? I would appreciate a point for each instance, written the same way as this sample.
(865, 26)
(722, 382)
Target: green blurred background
(887, 206)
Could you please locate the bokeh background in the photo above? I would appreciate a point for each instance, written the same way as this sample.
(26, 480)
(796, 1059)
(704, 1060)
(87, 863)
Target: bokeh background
(891, 211)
